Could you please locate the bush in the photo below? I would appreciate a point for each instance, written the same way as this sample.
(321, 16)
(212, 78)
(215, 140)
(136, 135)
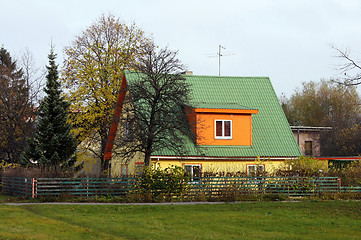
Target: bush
(163, 184)
(302, 167)
(350, 174)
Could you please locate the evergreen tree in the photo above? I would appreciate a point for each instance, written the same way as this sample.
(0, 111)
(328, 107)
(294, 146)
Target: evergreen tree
(52, 145)
(16, 109)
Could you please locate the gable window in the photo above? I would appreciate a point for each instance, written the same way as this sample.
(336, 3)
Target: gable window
(255, 170)
(223, 129)
(128, 131)
(139, 168)
(193, 171)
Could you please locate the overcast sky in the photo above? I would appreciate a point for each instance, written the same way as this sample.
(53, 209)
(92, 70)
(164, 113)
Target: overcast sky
(285, 40)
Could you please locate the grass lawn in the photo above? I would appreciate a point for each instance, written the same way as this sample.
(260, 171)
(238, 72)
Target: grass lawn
(249, 220)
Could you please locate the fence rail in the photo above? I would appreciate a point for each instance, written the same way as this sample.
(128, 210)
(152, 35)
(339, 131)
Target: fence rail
(210, 186)
(281, 185)
(85, 187)
(17, 186)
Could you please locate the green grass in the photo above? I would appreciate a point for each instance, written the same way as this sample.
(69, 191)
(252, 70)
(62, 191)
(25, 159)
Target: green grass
(254, 220)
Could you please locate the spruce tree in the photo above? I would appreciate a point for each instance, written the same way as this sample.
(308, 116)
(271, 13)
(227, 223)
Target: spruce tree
(52, 146)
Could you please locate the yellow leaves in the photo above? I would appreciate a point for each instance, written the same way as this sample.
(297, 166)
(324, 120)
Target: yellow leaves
(4, 165)
(93, 71)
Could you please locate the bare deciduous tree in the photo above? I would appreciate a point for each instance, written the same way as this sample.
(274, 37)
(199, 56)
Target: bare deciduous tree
(154, 116)
(350, 69)
(33, 75)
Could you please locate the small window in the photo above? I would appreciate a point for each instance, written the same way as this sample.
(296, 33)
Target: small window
(194, 171)
(139, 167)
(223, 129)
(308, 148)
(128, 131)
(255, 170)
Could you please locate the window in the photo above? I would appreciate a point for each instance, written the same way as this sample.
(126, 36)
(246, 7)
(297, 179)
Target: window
(255, 170)
(223, 129)
(128, 128)
(194, 171)
(139, 167)
(308, 148)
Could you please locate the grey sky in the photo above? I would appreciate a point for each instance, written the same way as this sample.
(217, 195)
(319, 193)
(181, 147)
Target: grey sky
(283, 39)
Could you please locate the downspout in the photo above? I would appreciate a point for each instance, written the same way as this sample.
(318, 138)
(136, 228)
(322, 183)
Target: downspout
(156, 164)
(298, 137)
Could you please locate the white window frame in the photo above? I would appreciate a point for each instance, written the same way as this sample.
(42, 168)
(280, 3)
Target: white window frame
(223, 128)
(254, 165)
(191, 177)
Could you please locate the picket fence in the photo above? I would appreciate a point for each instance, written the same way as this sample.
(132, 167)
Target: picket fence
(209, 186)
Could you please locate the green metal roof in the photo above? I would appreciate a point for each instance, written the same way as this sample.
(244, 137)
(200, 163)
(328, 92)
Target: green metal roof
(271, 133)
(211, 105)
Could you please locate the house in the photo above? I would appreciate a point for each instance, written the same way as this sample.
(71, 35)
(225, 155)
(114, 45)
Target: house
(243, 128)
(308, 139)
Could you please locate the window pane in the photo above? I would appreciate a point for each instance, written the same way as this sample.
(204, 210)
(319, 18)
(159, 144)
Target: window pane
(219, 128)
(128, 131)
(188, 169)
(252, 169)
(227, 128)
(196, 173)
(139, 169)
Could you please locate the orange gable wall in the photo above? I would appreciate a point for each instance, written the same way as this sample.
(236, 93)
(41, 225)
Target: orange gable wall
(241, 129)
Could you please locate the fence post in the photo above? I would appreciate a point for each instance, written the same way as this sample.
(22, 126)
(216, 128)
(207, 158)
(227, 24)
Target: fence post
(34, 188)
(87, 187)
(339, 184)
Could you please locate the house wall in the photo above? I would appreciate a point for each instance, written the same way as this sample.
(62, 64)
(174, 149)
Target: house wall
(313, 136)
(241, 129)
(118, 162)
(227, 165)
(131, 164)
(207, 165)
(88, 152)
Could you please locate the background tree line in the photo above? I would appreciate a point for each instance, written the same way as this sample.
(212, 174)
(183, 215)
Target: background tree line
(328, 104)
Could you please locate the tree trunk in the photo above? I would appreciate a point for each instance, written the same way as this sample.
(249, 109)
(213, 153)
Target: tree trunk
(148, 153)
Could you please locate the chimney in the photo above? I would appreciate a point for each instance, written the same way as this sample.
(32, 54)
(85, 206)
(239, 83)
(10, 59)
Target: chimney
(187, 73)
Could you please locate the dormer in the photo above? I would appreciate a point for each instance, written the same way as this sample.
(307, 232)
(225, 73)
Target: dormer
(227, 124)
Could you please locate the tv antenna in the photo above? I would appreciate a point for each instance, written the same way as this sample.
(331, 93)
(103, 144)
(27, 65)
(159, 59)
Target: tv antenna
(219, 55)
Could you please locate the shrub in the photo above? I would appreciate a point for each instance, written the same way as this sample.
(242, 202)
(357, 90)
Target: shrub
(302, 167)
(350, 174)
(163, 184)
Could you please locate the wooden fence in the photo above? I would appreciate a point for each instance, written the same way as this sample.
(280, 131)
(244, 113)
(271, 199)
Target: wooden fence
(84, 187)
(293, 186)
(209, 186)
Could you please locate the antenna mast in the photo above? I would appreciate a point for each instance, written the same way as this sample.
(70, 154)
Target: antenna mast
(220, 47)
(219, 55)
